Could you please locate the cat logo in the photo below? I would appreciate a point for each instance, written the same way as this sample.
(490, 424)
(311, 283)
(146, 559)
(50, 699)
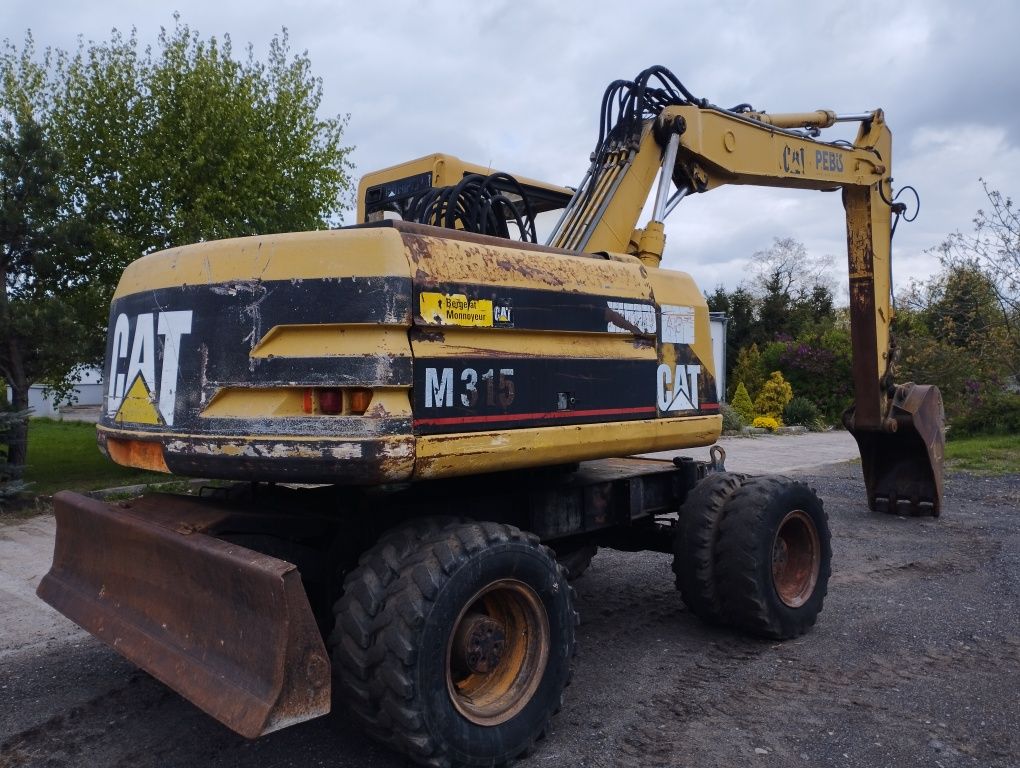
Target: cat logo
(677, 389)
(135, 395)
(502, 313)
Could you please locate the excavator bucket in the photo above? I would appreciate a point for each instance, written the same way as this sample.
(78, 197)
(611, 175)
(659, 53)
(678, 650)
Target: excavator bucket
(226, 627)
(903, 467)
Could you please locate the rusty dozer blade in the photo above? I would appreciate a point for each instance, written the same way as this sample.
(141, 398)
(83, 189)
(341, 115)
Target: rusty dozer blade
(903, 464)
(228, 628)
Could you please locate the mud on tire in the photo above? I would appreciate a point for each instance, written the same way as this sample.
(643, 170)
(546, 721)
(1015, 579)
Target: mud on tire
(773, 557)
(455, 648)
(695, 542)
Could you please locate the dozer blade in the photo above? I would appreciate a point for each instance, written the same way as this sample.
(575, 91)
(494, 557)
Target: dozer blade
(228, 628)
(903, 467)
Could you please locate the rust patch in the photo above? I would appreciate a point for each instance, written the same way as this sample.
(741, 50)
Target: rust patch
(430, 334)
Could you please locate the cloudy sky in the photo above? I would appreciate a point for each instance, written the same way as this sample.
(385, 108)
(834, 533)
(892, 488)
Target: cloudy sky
(518, 85)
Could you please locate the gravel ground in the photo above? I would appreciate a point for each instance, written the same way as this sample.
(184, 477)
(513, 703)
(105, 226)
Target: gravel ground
(915, 661)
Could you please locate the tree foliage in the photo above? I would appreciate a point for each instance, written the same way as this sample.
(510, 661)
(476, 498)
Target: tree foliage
(742, 403)
(46, 283)
(774, 396)
(992, 250)
(951, 334)
(11, 484)
(112, 151)
(749, 371)
(784, 318)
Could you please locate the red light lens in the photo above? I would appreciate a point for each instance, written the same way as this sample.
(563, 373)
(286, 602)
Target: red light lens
(331, 401)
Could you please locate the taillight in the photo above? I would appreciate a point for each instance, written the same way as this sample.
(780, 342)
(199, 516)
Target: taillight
(335, 401)
(359, 398)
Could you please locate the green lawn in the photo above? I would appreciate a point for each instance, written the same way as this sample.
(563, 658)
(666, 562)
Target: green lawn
(63, 455)
(985, 454)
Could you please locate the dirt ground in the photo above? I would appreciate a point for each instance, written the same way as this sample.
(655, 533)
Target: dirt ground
(915, 661)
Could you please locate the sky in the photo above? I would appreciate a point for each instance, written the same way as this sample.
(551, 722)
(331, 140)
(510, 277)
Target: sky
(518, 85)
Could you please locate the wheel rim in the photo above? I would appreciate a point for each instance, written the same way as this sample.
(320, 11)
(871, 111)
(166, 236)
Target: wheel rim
(497, 652)
(796, 558)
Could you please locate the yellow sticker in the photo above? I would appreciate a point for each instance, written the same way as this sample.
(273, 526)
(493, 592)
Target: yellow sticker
(137, 407)
(455, 309)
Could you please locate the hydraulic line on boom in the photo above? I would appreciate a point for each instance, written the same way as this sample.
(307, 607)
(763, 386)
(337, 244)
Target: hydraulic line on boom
(655, 126)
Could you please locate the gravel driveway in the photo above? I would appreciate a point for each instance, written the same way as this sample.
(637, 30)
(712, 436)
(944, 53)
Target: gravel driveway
(915, 661)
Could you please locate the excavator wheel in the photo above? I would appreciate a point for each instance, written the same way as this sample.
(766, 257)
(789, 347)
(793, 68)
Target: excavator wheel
(773, 557)
(456, 650)
(695, 543)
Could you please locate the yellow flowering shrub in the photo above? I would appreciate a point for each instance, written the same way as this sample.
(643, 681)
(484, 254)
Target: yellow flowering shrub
(766, 422)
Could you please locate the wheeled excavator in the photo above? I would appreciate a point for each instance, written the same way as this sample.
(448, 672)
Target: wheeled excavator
(426, 425)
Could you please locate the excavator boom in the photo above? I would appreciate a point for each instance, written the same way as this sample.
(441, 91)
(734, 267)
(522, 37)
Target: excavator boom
(698, 147)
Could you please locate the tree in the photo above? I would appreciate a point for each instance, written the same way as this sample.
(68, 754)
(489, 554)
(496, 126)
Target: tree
(788, 297)
(792, 288)
(739, 307)
(153, 148)
(44, 280)
(749, 370)
(951, 333)
(742, 403)
(775, 394)
(993, 250)
(11, 484)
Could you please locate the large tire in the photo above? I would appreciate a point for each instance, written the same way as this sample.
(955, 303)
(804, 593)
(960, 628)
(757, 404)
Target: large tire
(773, 557)
(695, 544)
(456, 651)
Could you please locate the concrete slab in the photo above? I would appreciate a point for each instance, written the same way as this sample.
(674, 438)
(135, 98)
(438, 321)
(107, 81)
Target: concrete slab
(778, 453)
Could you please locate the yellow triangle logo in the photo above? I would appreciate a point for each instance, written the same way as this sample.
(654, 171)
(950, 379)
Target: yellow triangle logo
(137, 407)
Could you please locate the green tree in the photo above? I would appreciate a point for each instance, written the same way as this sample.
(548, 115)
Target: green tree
(742, 403)
(951, 333)
(45, 281)
(153, 148)
(993, 249)
(748, 369)
(774, 396)
(11, 484)
(817, 364)
(739, 306)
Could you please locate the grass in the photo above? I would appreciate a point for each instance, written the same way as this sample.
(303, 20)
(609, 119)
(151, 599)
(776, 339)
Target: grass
(63, 455)
(985, 454)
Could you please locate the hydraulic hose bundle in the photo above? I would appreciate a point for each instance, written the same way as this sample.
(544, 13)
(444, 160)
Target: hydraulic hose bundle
(480, 204)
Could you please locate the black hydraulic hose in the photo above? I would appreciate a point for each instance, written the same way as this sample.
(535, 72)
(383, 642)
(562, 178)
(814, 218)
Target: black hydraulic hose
(480, 204)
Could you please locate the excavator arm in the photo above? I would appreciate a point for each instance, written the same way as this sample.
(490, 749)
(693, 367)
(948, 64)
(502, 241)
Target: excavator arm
(694, 147)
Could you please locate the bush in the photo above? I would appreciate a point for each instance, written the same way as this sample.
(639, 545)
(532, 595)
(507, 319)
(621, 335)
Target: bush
(732, 421)
(774, 396)
(801, 411)
(742, 403)
(997, 414)
(818, 367)
(749, 370)
(767, 422)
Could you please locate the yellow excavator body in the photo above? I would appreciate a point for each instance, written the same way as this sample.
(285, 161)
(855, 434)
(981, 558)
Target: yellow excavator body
(394, 352)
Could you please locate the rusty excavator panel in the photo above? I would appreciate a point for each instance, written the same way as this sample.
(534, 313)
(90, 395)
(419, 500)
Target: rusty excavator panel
(903, 465)
(228, 628)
